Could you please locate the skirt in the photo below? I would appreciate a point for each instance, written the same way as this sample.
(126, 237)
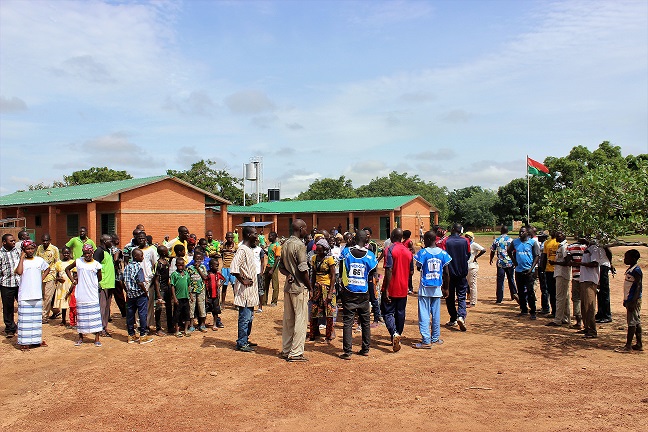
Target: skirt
(60, 302)
(30, 322)
(88, 318)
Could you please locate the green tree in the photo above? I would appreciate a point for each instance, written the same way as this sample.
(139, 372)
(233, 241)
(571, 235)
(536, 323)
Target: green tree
(602, 203)
(472, 206)
(91, 175)
(396, 184)
(329, 188)
(95, 175)
(204, 175)
(511, 203)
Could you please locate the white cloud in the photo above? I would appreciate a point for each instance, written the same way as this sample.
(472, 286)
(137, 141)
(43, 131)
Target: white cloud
(14, 104)
(197, 102)
(249, 102)
(115, 150)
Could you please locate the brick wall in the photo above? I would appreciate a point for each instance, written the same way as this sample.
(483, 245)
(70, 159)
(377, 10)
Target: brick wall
(161, 207)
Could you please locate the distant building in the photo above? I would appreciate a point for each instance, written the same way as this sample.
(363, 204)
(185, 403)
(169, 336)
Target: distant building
(161, 203)
(381, 214)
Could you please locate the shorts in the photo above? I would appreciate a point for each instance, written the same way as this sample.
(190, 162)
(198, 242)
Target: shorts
(633, 312)
(181, 312)
(197, 301)
(229, 278)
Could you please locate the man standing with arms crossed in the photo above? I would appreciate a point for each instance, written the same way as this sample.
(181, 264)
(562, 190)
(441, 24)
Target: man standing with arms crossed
(294, 265)
(9, 281)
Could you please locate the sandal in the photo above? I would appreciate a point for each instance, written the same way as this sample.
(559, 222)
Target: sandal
(43, 344)
(97, 344)
(78, 342)
(25, 347)
(178, 334)
(214, 328)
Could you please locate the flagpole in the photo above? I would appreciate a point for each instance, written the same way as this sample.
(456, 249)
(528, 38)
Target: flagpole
(526, 169)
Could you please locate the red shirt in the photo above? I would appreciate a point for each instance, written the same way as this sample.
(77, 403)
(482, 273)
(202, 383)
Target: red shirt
(399, 259)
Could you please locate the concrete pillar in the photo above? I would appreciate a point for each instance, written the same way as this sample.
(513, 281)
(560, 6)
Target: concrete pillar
(230, 224)
(392, 221)
(351, 227)
(275, 223)
(51, 223)
(91, 216)
(314, 220)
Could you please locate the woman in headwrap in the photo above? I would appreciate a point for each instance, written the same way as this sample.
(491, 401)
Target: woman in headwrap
(32, 271)
(323, 293)
(87, 294)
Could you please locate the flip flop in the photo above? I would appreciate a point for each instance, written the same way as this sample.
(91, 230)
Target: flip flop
(97, 344)
(78, 343)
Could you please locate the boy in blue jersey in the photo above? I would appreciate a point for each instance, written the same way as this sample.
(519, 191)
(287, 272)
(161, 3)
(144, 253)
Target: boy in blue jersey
(432, 261)
(357, 265)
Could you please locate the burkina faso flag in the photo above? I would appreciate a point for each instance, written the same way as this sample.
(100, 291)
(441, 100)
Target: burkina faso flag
(536, 168)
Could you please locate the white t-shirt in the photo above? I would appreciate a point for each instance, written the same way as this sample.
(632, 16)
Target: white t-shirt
(258, 254)
(592, 274)
(31, 281)
(148, 265)
(475, 248)
(564, 272)
(87, 290)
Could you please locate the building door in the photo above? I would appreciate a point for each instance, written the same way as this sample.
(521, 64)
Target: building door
(384, 228)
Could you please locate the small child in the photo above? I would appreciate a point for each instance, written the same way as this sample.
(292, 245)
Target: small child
(63, 284)
(197, 276)
(137, 298)
(180, 296)
(179, 252)
(213, 284)
(632, 287)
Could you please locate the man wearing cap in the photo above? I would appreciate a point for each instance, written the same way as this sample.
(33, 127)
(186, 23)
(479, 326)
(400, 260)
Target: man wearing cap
(476, 250)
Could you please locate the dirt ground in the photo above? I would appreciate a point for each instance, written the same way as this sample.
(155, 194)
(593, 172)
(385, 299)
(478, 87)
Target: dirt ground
(505, 373)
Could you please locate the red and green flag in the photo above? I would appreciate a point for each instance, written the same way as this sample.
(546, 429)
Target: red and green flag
(536, 168)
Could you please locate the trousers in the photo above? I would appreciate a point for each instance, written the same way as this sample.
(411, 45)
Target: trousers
(295, 323)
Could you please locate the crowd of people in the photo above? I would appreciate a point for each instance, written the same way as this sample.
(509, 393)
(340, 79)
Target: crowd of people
(187, 277)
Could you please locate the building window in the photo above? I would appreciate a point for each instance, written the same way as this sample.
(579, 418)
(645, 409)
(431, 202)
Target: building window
(108, 223)
(72, 225)
(38, 221)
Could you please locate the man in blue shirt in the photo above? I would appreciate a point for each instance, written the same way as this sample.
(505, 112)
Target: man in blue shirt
(459, 250)
(525, 253)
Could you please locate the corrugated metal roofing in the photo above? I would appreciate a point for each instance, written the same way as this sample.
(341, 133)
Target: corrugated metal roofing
(326, 206)
(84, 193)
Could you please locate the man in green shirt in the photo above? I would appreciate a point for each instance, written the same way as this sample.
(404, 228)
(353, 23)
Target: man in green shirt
(76, 243)
(270, 274)
(107, 282)
(212, 245)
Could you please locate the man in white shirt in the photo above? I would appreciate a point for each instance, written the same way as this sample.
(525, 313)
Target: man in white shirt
(589, 281)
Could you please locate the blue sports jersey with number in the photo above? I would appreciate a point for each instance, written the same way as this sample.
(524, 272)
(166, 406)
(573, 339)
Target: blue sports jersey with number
(356, 270)
(431, 262)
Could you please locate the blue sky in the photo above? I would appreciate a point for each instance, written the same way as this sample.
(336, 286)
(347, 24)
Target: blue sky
(457, 92)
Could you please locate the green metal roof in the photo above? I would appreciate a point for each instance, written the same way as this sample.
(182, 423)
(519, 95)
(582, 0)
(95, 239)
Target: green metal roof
(88, 192)
(325, 206)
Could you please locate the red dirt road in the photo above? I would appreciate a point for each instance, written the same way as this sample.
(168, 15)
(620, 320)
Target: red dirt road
(524, 376)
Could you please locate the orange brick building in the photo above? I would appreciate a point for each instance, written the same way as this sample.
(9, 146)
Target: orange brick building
(160, 203)
(381, 214)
